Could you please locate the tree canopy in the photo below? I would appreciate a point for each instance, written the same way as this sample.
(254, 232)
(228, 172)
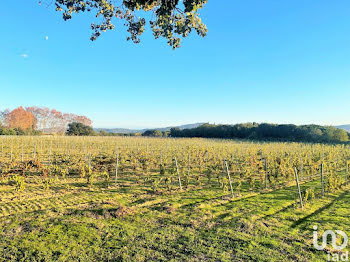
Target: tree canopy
(170, 19)
(20, 118)
(54, 121)
(40, 119)
(305, 133)
(79, 129)
(153, 133)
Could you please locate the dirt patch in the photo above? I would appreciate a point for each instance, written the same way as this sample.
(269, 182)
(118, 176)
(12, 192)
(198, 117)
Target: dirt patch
(118, 212)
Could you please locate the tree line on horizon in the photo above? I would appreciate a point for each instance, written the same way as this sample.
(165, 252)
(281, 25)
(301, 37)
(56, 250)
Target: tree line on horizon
(268, 132)
(37, 120)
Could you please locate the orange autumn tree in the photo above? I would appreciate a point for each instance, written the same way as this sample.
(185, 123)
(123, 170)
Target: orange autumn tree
(20, 118)
(41, 119)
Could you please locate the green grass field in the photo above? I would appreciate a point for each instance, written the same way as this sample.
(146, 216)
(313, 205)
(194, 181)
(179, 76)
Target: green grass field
(72, 222)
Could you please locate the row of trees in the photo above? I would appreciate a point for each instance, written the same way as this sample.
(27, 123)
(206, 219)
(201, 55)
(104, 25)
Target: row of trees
(79, 129)
(42, 119)
(305, 133)
(155, 133)
(18, 132)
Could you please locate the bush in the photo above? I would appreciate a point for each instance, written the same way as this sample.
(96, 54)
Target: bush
(153, 133)
(79, 129)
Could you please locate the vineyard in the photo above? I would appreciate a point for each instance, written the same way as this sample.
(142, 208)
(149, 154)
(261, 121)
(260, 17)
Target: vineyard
(142, 199)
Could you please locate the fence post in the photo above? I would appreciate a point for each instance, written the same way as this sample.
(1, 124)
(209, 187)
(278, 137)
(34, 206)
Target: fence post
(22, 153)
(34, 151)
(266, 174)
(301, 169)
(50, 154)
(229, 178)
(11, 150)
(89, 161)
(322, 178)
(178, 173)
(297, 181)
(189, 165)
(346, 172)
(116, 167)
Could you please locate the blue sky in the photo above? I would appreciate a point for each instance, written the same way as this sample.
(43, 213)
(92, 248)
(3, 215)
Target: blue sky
(264, 61)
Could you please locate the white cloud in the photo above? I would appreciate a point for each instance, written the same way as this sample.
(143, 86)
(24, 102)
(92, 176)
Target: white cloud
(46, 38)
(24, 55)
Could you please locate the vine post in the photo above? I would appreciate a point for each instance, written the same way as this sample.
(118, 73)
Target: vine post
(266, 174)
(301, 168)
(229, 178)
(188, 165)
(178, 173)
(346, 172)
(206, 157)
(34, 151)
(11, 151)
(89, 161)
(298, 185)
(50, 154)
(161, 158)
(322, 178)
(116, 166)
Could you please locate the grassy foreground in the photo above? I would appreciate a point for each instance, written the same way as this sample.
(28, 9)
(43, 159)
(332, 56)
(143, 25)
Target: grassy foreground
(71, 222)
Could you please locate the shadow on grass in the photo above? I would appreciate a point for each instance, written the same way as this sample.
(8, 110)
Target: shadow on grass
(320, 210)
(279, 211)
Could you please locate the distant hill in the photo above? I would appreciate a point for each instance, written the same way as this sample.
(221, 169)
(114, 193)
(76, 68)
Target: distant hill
(117, 130)
(189, 126)
(132, 131)
(344, 127)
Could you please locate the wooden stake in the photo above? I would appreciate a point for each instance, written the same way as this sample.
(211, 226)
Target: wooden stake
(50, 154)
(89, 161)
(189, 166)
(34, 151)
(11, 151)
(116, 167)
(346, 172)
(322, 179)
(266, 174)
(178, 173)
(297, 181)
(22, 153)
(301, 169)
(229, 178)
